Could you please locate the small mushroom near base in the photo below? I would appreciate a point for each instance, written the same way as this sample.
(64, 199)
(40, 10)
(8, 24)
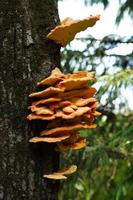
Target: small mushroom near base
(61, 173)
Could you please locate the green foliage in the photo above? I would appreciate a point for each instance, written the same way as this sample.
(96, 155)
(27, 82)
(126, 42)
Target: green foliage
(105, 166)
(112, 87)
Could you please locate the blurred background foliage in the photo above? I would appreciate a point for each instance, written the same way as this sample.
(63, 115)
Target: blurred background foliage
(105, 166)
(125, 6)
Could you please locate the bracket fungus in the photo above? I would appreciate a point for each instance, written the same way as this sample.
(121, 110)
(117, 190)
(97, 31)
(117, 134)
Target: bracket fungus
(66, 31)
(68, 106)
(61, 174)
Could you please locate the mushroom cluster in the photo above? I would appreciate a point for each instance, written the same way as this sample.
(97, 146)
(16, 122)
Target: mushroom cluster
(68, 106)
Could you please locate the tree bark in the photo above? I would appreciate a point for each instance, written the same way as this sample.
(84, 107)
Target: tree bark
(26, 56)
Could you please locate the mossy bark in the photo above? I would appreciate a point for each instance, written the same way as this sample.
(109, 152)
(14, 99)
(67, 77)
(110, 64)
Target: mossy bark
(26, 56)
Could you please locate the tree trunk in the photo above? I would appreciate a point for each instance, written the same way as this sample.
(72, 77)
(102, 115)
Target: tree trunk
(26, 56)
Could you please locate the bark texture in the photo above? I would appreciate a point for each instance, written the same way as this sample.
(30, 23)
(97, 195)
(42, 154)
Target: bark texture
(26, 56)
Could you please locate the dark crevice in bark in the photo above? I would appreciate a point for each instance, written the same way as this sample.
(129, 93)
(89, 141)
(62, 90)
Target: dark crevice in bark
(26, 57)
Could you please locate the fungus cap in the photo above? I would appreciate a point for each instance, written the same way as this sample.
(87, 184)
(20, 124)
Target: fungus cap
(47, 92)
(67, 128)
(56, 75)
(66, 31)
(80, 143)
(60, 174)
(50, 139)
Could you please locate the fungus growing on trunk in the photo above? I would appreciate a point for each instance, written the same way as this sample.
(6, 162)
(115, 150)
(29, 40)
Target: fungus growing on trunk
(68, 106)
(66, 31)
(61, 174)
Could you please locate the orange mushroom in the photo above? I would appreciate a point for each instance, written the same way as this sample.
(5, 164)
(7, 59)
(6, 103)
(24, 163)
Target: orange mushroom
(66, 31)
(67, 128)
(58, 138)
(68, 109)
(55, 176)
(80, 80)
(84, 92)
(81, 101)
(41, 110)
(46, 101)
(68, 106)
(60, 174)
(69, 170)
(60, 104)
(80, 143)
(80, 111)
(47, 92)
(40, 117)
(55, 76)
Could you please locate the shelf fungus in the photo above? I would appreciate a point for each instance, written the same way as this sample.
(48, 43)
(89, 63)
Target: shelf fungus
(66, 31)
(61, 174)
(68, 105)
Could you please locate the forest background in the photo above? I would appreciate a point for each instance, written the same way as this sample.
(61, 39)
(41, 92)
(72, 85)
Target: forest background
(106, 164)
